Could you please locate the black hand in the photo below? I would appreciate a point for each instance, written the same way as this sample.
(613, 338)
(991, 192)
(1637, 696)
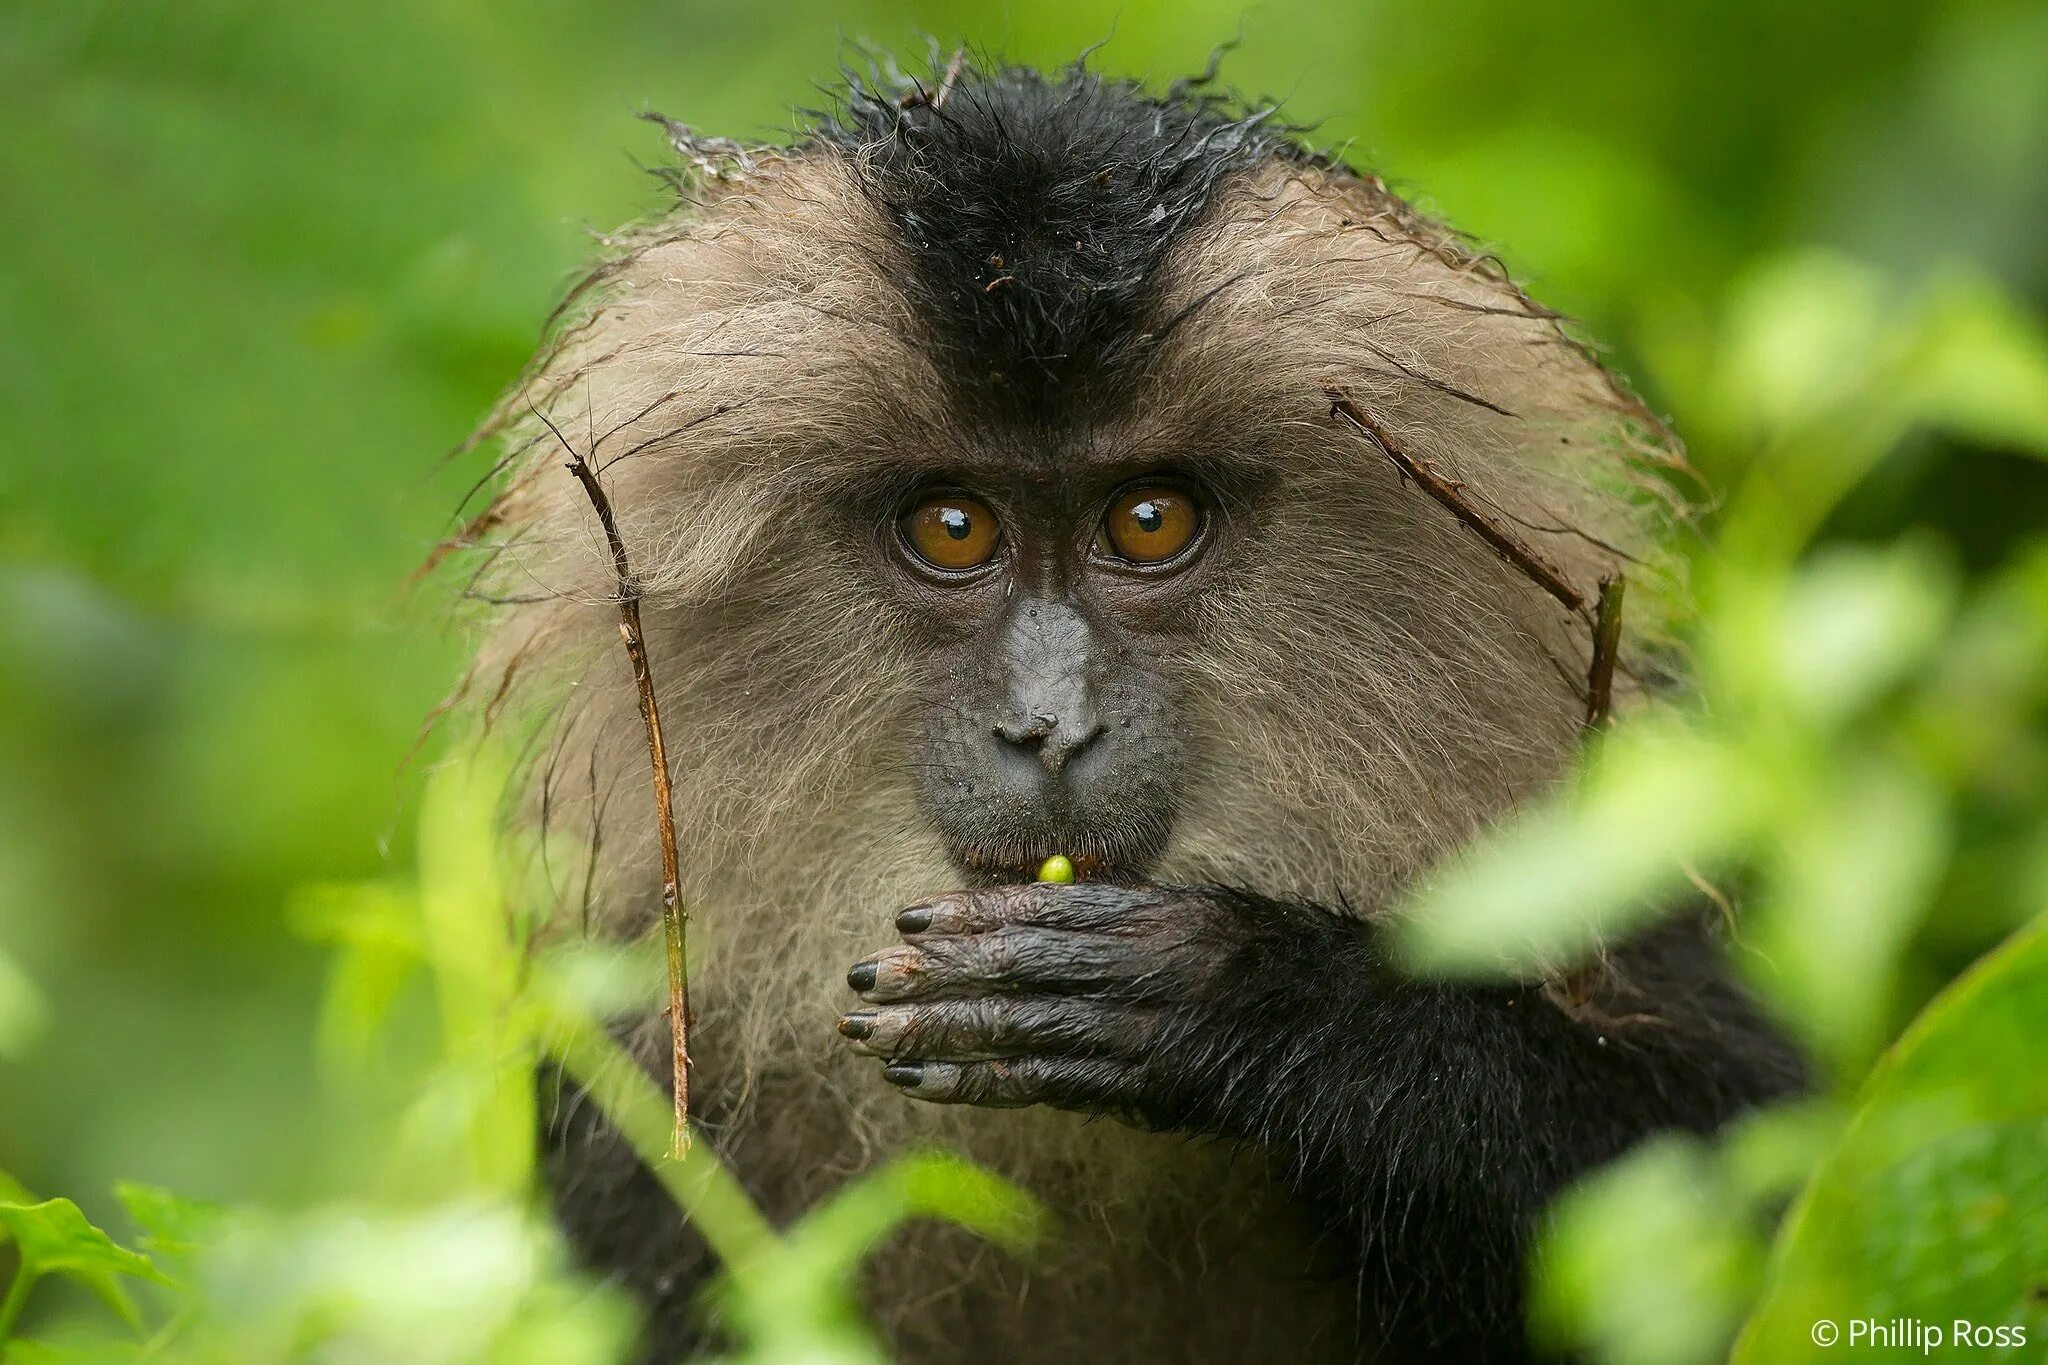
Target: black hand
(1045, 994)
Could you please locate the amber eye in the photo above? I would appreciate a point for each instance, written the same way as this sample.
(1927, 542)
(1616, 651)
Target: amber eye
(1150, 525)
(951, 532)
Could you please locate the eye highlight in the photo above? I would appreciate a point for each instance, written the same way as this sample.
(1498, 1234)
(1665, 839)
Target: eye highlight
(950, 531)
(1150, 524)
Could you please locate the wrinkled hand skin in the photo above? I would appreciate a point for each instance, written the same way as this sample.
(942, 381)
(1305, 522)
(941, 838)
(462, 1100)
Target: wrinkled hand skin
(1076, 996)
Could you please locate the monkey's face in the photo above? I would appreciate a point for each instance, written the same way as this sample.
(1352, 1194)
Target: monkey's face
(1050, 611)
(1071, 558)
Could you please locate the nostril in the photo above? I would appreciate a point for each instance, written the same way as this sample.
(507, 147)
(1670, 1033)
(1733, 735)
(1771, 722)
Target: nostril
(1030, 734)
(1058, 749)
(1052, 739)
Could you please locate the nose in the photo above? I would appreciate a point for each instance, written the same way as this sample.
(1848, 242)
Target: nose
(1053, 737)
(1050, 708)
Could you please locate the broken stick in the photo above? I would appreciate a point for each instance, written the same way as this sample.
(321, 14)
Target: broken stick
(674, 920)
(1505, 543)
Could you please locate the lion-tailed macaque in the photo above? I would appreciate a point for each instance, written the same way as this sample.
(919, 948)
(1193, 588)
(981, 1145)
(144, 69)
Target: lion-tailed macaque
(977, 456)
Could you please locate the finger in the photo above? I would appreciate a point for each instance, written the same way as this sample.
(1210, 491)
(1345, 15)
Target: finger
(1084, 1083)
(1015, 958)
(959, 912)
(1080, 907)
(994, 1026)
(892, 974)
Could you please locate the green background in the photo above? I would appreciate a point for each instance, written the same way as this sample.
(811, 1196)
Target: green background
(262, 265)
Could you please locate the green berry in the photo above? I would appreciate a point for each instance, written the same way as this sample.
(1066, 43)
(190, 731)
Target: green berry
(1058, 868)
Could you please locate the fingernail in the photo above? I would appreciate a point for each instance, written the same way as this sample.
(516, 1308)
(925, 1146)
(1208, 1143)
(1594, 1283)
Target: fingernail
(915, 920)
(862, 977)
(905, 1074)
(858, 1025)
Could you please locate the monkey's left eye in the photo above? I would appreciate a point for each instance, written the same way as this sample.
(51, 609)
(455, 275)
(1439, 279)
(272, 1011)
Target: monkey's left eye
(1150, 524)
(950, 531)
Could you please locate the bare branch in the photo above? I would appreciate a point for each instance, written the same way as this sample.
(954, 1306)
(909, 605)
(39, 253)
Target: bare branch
(674, 919)
(935, 100)
(953, 69)
(1606, 645)
(1450, 493)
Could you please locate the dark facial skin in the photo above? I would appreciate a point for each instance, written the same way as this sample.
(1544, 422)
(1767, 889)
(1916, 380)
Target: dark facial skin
(1048, 720)
(1049, 724)
(1425, 1123)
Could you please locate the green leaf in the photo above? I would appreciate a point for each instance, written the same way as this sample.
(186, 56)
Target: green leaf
(1556, 881)
(374, 927)
(1973, 716)
(1766, 1157)
(833, 1238)
(1805, 334)
(1854, 870)
(54, 1238)
(604, 980)
(171, 1227)
(1853, 624)
(1648, 1262)
(479, 962)
(1934, 1206)
(1982, 367)
(797, 1302)
(440, 1285)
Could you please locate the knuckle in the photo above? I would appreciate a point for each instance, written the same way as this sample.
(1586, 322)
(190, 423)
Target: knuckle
(1023, 901)
(961, 912)
(984, 1018)
(1076, 1026)
(1029, 1075)
(1001, 1081)
(963, 1030)
(1077, 1083)
(1002, 956)
(948, 961)
(980, 1029)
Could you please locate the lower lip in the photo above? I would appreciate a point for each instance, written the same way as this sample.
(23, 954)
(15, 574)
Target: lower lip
(1087, 866)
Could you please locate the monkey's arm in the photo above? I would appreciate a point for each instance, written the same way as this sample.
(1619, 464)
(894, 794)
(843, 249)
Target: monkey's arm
(1429, 1121)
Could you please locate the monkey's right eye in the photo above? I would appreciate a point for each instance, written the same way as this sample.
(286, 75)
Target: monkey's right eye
(950, 531)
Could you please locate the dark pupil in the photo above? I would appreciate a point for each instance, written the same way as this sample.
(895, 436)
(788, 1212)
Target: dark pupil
(957, 523)
(1148, 516)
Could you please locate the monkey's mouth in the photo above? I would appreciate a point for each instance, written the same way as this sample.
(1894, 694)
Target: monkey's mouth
(1003, 838)
(999, 863)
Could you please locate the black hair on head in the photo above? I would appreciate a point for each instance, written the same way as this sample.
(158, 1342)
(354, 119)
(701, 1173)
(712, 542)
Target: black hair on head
(1037, 209)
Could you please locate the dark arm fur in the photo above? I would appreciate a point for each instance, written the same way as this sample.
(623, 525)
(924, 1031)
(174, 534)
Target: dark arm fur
(1427, 1122)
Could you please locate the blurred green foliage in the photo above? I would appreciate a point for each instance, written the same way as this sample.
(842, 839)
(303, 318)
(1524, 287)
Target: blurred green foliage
(1866, 760)
(443, 1252)
(260, 264)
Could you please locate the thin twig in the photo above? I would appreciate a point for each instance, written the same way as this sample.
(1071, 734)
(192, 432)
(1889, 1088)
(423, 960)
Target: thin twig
(1505, 543)
(674, 920)
(1606, 646)
(953, 70)
(935, 100)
